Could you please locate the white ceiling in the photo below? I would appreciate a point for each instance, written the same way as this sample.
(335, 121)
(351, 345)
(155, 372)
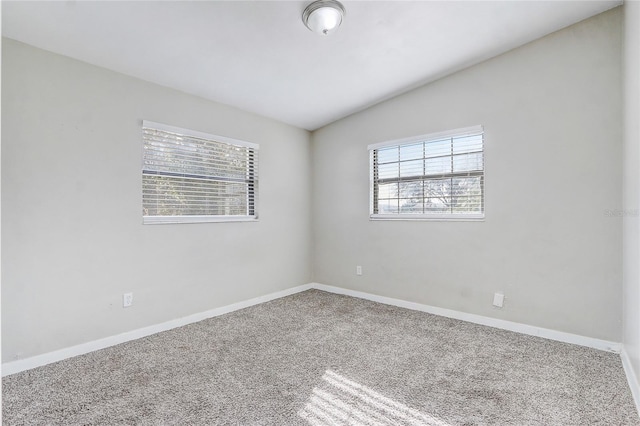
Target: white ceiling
(258, 55)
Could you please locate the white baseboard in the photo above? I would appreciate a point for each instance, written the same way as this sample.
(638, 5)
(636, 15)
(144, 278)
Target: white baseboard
(50, 357)
(632, 378)
(59, 355)
(546, 333)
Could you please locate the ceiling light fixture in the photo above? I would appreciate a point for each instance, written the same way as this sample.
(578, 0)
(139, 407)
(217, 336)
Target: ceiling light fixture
(323, 16)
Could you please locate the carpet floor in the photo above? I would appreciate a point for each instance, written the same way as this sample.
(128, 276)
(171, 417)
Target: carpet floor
(316, 358)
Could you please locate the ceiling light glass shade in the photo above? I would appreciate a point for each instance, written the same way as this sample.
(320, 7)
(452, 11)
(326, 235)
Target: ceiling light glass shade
(323, 16)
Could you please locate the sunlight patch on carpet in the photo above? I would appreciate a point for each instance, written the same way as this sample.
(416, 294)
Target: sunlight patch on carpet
(340, 401)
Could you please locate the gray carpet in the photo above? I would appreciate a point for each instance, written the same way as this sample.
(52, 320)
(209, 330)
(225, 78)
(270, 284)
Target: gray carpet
(317, 358)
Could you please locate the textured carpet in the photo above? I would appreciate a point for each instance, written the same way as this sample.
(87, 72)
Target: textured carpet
(317, 358)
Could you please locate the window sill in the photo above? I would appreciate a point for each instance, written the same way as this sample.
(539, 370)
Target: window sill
(162, 220)
(430, 217)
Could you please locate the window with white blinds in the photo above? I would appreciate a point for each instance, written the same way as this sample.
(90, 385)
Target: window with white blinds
(189, 176)
(437, 176)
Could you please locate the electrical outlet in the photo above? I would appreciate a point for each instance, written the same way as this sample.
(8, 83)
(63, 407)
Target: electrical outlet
(358, 270)
(127, 300)
(498, 300)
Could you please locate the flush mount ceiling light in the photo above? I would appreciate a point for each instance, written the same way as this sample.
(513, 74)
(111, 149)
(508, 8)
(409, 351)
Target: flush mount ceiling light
(323, 16)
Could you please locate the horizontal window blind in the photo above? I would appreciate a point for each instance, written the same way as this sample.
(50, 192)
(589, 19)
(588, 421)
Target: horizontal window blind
(189, 176)
(432, 176)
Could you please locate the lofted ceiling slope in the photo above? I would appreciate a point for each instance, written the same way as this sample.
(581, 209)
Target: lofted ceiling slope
(258, 55)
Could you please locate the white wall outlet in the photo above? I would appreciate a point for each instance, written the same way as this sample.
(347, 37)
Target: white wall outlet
(127, 300)
(358, 270)
(498, 300)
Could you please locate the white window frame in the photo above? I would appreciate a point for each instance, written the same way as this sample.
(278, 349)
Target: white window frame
(456, 133)
(212, 138)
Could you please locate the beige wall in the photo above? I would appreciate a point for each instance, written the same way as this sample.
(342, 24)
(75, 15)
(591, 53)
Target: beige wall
(631, 232)
(73, 239)
(552, 117)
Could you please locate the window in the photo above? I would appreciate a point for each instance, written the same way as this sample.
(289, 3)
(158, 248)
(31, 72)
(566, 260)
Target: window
(429, 177)
(188, 176)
